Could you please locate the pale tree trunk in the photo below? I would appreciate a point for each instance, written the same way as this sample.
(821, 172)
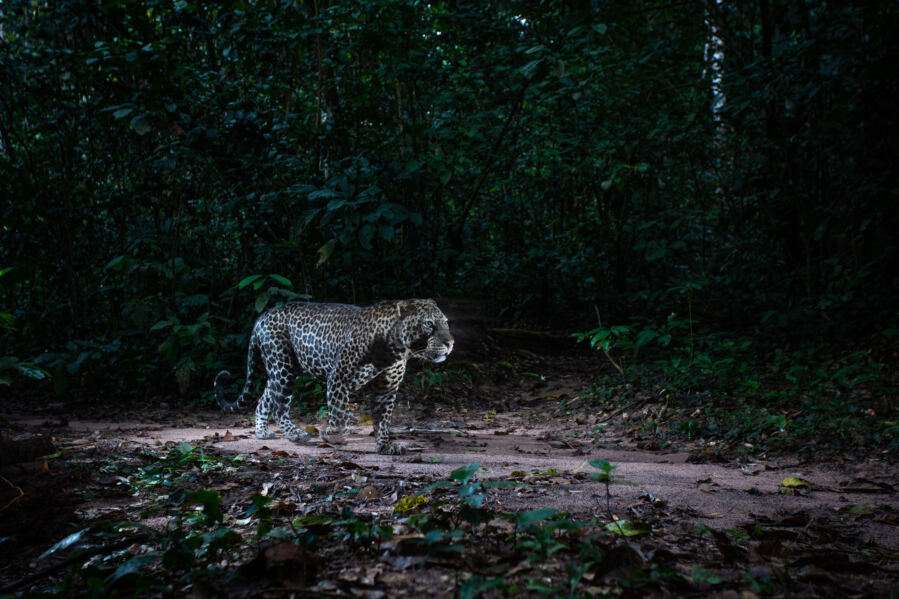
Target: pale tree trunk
(714, 61)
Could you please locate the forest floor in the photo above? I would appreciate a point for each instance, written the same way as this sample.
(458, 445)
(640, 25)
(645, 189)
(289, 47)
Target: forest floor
(184, 500)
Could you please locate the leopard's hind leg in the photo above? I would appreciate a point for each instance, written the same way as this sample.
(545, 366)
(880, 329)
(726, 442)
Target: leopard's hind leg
(282, 367)
(275, 403)
(267, 404)
(282, 414)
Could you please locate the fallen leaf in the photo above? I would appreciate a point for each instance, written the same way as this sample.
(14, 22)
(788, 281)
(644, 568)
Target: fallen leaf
(861, 485)
(627, 528)
(793, 486)
(228, 437)
(363, 574)
(224, 486)
(751, 469)
(861, 510)
(793, 481)
(403, 562)
(369, 492)
(410, 503)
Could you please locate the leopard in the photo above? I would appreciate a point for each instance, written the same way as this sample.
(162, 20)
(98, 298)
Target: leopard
(353, 351)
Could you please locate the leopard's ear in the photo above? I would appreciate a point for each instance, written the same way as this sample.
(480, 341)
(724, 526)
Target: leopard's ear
(403, 307)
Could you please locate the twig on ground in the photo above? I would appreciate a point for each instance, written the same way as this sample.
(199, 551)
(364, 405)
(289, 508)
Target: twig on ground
(14, 499)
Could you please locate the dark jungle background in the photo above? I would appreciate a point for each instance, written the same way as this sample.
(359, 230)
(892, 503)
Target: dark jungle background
(717, 179)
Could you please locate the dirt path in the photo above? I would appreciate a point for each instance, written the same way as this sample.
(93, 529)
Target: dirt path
(555, 458)
(528, 425)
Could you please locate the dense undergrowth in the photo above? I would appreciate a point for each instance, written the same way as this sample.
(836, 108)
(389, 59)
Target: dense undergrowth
(168, 170)
(751, 393)
(193, 521)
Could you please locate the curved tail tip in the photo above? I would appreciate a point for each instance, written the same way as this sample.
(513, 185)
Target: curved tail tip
(220, 380)
(221, 377)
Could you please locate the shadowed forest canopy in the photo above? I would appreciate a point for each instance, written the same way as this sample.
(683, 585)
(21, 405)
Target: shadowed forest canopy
(169, 169)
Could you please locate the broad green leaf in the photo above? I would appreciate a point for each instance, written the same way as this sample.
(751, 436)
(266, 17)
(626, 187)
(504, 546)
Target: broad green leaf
(526, 518)
(603, 465)
(645, 336)
(132, 566)
(32, 371)
(284, 281)
(64, 544)
(162, 324)
(700, 574)
(248, 280)
(473, 498)
(257, 502)
(474, 586)
(122, 113)
(211, 502)
(116, 263)
(465, 472)
(323, 193)
(142, 124)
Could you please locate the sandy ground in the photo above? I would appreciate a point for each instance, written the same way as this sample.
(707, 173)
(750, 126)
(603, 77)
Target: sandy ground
(719, 495)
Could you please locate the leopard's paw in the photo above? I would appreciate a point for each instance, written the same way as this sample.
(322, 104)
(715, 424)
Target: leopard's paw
(392, 449)
(298, 435)
(265, 434)
(332, 438)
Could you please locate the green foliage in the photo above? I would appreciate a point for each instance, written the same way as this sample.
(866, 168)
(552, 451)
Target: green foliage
(11, 366)
(158, 159)
(477, 584)
(357, 532)
(753, 391)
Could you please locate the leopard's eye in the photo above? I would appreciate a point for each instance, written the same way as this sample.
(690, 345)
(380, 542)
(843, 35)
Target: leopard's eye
(427, 326)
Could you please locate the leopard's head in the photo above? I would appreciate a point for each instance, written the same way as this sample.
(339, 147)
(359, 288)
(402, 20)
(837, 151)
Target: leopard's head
(424, 330)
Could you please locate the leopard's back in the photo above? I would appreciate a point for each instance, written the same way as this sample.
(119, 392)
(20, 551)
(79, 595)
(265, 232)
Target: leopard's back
(316, 332)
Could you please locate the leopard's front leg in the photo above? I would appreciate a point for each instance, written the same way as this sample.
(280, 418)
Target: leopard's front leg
(385, 405)
(386, 387)
(338, 415)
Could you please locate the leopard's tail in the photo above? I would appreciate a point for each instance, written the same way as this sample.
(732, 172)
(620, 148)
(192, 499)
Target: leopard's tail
(222, 378)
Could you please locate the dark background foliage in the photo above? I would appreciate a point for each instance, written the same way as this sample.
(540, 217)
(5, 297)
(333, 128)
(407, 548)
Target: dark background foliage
(544, 157)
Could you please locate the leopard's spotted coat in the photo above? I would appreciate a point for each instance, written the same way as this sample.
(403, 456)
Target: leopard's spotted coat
(350, 349)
